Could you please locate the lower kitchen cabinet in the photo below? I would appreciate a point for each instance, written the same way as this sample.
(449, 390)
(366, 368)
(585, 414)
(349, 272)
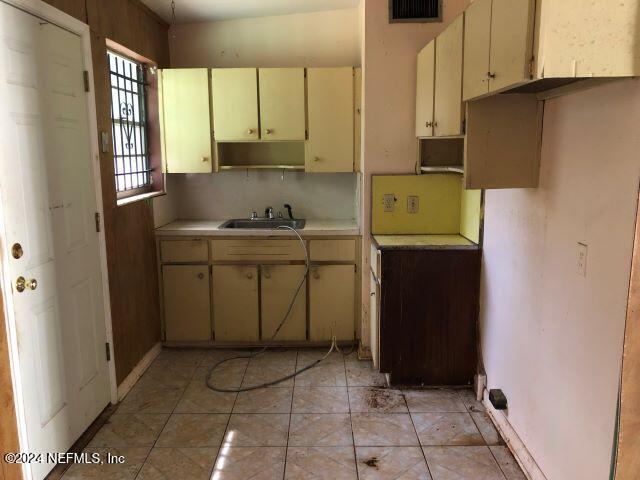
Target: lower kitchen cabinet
(428, 315)
(187, 305)
(331, 302)
(278, 284)
(235, 303)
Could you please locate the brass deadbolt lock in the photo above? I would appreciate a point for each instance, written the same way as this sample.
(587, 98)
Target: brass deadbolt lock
(16, 251)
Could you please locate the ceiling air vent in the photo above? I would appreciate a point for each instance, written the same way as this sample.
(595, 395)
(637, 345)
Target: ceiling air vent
(416, 11)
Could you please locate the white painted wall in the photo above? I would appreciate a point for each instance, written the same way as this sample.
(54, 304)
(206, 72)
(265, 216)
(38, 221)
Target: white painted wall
(237, 194)
(552, 339)
(317, 39)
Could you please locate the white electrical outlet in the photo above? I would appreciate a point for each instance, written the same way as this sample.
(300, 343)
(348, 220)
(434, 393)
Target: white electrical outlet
(413, 204)
(582, 259)
(389, 202)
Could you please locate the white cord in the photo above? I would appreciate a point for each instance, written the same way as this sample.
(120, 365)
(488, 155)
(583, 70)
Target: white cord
(334, 343)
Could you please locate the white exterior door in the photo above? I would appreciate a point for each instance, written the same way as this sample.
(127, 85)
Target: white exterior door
(48, 203)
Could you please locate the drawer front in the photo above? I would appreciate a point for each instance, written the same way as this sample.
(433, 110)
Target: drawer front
(182, 251)
(256, 250)
(332, 250)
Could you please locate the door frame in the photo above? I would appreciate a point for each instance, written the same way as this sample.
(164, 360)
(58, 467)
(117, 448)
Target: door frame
(52, 15)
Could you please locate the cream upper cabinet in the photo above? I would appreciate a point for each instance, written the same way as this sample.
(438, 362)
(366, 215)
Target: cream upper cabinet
(185, 121)
(512, 23)
(425, 84)
(448, 107)
(498, 42)
(234, 100)
(330, 104)
(477, 43)
(282, 114)
(235, 303)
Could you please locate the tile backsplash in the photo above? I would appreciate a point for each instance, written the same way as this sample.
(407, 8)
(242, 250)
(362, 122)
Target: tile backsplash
(237, 194)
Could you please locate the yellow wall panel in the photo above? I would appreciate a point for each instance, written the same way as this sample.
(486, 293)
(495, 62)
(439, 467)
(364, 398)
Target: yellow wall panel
(438, 198)
(470, 214)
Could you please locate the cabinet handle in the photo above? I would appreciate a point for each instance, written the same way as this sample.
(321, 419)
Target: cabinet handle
(491, 75)
(250, 131)
(268, 131)
(428, 124)
(201, 276)
(205, 159)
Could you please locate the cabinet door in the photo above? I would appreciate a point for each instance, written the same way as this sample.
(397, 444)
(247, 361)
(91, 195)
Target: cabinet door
(282, 115)
(234, 96)
(278, 284)
(186, 124)
(330, 115)
(187, 308)
(448, 111)
(511, 42)
(235, 303)
(424, 90)
(477, 43)
(331, 302)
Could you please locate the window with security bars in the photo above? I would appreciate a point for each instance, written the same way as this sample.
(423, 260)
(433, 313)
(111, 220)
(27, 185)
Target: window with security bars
(129, 123)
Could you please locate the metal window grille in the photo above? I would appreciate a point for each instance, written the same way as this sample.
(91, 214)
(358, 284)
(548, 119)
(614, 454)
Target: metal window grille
(129, 123)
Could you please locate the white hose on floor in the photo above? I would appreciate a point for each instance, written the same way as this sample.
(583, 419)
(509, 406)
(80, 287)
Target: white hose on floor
(334, 345)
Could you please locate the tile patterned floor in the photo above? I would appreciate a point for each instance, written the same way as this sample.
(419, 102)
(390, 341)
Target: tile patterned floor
(336, 421)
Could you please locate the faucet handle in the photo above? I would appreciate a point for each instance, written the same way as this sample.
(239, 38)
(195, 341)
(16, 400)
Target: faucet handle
(268, 212)
(254, 215)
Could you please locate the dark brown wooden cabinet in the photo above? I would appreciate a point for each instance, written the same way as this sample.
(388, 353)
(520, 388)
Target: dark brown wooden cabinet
(428, 315)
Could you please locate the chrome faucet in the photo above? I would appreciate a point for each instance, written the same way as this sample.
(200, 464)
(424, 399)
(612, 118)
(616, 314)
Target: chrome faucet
(268, 213)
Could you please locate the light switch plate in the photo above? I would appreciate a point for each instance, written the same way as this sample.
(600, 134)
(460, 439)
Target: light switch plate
(413, 204)
(389, 202)
(582, 259)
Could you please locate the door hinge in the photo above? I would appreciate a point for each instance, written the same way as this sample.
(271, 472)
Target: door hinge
(531, 66)
(108, 351)
(85, 76)
(98, 226)
(306, 134)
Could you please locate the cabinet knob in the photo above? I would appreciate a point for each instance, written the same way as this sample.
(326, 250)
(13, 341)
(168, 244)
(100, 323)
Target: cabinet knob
(249, 276)
(316, 274)
(250, 131)
(316, 159)
(205, 159)
(491, 75)
(267, 275)
(268, 131)
(428, 124)
(201, 276)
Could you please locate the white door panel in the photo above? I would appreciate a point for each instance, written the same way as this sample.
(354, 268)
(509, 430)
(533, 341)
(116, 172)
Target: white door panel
(48, 206)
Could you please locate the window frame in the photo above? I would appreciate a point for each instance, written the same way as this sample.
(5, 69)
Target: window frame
(153, 139)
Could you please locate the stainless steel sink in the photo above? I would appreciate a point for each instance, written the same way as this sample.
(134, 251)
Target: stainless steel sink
(263, 223)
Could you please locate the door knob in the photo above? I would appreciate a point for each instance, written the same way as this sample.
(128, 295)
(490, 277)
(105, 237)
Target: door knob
(16, 251)
(22, 284)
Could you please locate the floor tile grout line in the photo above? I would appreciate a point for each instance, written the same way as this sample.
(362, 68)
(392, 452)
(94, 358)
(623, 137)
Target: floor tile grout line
(353, 437)
(168, 417)
(233, 406)
(424, 455)
(293, 390)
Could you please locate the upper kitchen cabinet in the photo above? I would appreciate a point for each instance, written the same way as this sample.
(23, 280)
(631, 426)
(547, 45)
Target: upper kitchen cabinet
(234, 100)
(448, 109)
(527, 46)
(498, 42)
(439, 107)
(282, 115)
(185, 120)
(425, 87)
(330, 114)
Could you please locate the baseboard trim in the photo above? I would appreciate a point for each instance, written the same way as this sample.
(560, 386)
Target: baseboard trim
(514, 443)
(138, 370)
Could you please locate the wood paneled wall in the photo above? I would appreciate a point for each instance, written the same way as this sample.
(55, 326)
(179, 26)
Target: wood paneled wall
(131, 256)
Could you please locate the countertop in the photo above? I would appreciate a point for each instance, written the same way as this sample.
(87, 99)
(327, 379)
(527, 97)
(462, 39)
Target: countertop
(211, 228)
(425, 242)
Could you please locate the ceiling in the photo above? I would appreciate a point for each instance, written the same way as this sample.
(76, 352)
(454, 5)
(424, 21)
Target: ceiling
(188, 11)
